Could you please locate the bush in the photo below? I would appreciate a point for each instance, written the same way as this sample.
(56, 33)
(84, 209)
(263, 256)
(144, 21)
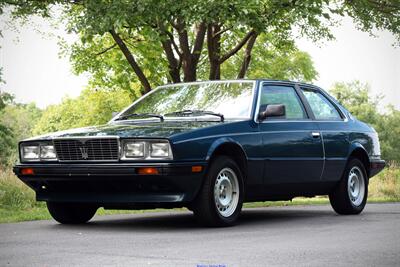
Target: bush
(386, 184)
(14, 194)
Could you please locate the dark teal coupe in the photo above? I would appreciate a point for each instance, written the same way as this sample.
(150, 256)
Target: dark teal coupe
(208, 146)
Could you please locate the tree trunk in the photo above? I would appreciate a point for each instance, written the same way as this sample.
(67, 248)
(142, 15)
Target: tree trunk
(196, 51)
(173, 65)
(247, 57)
(214, 47)
(186, 56)
(189, 71)
(131, 60)
(168, 44)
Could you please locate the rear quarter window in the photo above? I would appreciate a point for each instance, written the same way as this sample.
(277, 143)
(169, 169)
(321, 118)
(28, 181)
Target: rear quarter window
(322, 108)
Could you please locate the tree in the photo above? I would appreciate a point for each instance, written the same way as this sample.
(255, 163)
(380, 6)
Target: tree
(181, 30)
(356, 97)
(92, 107)
(20, 119)
(16, 123)
(187, 31)
(281, 63)
(111, 71)
(6, 134)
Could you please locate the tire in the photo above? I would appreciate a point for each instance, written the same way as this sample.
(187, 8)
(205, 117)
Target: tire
(350, 195)
(71, 213)
(220, 199)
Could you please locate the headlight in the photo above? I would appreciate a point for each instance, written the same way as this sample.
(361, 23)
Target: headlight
(30, 152)
(47, 152)
(134, 150)
(159, 150)
(37, 152)
(146, 149)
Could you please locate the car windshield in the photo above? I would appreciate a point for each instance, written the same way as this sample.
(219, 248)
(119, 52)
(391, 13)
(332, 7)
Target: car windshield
(230, 99)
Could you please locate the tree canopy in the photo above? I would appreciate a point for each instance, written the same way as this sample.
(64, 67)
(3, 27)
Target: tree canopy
(16, 123)
(92, 107)
(188, 40)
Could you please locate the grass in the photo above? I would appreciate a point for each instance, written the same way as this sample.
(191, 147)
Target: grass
(17, 201)
(386, 184)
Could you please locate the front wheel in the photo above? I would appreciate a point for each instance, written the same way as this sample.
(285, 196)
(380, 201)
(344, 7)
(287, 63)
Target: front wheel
(71, 213)
(221, 198)
(350, 196)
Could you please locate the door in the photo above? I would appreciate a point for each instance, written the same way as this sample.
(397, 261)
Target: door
(292, 147)
(334, 132)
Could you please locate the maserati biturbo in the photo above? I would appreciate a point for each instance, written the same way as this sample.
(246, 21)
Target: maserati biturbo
(210, 147)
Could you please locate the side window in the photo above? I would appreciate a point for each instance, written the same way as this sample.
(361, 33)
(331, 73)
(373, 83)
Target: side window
(286, 95)
(321, 106)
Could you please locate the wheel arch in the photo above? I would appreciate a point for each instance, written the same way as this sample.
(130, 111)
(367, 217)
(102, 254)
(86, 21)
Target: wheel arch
(231, 148)
(358, 151)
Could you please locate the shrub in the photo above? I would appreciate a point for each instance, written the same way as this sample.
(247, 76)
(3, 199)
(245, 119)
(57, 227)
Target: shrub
(14, 194)
(386, 184)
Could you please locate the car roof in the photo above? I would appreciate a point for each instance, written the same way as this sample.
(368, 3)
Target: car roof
(289, 81)
(245, 80)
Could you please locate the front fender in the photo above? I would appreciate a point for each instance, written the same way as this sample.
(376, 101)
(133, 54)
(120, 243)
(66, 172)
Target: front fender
(221, 141)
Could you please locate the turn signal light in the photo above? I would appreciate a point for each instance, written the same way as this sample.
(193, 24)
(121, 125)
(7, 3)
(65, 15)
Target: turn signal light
(147, 171)
(27, 171)
(197, 168)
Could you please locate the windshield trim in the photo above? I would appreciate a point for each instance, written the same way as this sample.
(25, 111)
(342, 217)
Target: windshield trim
(254, 82)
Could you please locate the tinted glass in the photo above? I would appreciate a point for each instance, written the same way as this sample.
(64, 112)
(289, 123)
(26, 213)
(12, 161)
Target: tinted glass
(232, 99)
(321, 106)
(286, 95)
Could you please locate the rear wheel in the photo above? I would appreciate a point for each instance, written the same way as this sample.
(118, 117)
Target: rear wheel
(221, 198)
(71, 213)
(350, 196)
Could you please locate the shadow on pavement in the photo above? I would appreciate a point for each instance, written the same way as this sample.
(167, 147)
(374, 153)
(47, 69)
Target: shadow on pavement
(185, 221)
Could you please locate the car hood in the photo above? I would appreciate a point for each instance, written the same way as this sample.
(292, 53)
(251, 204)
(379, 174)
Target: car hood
(164, 129)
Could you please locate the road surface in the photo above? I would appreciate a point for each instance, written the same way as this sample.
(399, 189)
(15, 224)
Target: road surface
(276, 236)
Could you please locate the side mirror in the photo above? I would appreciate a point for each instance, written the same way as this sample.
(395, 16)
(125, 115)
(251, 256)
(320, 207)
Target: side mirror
(272, 110)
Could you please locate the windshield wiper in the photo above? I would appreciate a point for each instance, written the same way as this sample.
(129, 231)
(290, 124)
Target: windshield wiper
(190, 112)
(124, 117)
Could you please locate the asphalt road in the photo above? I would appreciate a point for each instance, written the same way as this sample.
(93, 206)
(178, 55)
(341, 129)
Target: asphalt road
(278, 236)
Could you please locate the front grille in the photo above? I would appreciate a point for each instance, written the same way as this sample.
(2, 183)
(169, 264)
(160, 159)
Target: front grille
(97, 149)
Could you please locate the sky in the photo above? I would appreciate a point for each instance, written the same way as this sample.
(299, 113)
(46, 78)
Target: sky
(32, 67)
(34, 71)
(355, 55)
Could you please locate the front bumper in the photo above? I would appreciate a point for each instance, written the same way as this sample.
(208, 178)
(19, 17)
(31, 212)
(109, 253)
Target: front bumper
(376, 166)
(113, 185)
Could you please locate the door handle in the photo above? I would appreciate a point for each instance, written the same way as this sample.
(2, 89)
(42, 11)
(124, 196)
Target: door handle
(315, 134)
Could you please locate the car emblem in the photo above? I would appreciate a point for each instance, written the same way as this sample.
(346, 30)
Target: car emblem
(84, 152)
